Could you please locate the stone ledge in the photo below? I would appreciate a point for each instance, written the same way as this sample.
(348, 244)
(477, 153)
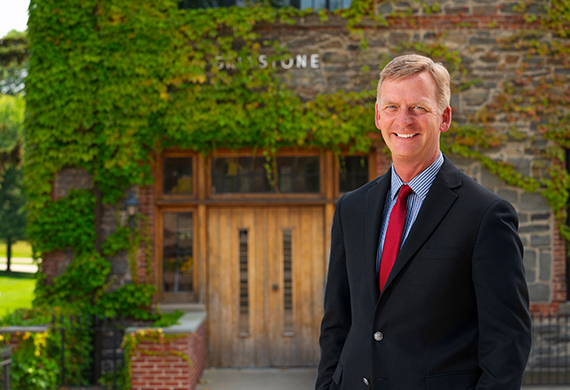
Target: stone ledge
(24, 329)
(188, 323)
(185, 307)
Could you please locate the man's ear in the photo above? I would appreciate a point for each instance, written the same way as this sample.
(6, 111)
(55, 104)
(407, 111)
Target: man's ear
(377, 114)
(445, 120)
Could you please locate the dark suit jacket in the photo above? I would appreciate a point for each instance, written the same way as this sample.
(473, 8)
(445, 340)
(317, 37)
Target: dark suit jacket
(454, 312)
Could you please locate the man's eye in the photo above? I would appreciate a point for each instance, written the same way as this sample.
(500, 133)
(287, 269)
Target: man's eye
(419, 108)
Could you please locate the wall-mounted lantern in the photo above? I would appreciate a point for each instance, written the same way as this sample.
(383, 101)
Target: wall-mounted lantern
(132, 205)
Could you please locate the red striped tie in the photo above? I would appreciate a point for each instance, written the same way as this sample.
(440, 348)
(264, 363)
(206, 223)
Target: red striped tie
(394, 235)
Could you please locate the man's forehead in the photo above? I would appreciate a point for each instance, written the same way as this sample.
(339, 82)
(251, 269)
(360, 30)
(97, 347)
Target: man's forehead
(396, 89)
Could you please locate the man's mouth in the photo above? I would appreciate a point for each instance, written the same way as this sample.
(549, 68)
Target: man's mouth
(406, 135)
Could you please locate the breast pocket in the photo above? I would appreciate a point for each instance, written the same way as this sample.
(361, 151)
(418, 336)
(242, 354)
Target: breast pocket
(454, 253)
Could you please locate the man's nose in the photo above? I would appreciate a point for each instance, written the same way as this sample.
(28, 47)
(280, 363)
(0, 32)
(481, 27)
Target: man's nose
(404, 118)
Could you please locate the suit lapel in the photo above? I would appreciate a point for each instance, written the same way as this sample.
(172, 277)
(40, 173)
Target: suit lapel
(437, 203)
(375, 201)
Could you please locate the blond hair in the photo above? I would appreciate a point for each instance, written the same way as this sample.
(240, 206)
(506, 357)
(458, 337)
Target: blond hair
(411, 64)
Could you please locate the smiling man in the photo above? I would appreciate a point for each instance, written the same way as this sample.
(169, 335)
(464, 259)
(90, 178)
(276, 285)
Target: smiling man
(426, 286)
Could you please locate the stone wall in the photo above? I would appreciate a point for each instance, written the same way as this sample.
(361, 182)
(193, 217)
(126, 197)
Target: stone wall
(474, 31)
(537, 231)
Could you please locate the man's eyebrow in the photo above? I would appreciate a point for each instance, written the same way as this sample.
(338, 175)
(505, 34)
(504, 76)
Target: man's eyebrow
(421, 102)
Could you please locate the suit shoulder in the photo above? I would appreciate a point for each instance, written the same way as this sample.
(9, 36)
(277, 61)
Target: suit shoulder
(355, 202)
(476, 192)
(467, 188)
(361, 192)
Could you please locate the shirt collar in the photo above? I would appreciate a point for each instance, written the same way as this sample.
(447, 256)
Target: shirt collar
(419, 184)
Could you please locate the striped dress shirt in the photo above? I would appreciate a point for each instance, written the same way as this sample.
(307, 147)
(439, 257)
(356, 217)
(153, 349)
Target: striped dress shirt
(420, 186)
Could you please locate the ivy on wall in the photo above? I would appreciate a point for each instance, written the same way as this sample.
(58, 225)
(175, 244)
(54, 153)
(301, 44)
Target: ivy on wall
(112, 81)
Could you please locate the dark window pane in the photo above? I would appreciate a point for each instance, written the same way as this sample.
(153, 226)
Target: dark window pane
(241, 175)
(301, 4)
(193, 4)
(353, 172)
(298, 174)
(288, 325)
(177, 175)
(324, 4)
(178, 252)
(243, 314)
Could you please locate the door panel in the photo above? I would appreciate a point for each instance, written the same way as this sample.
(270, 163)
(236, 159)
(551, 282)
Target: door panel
(281, 255)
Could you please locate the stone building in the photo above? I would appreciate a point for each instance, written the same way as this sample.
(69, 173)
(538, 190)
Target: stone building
(255, 260)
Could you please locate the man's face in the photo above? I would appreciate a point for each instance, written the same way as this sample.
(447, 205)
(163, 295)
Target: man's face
(410, 121)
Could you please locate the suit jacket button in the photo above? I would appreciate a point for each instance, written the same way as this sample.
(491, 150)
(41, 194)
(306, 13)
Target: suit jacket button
(378, 336)
(366, 381)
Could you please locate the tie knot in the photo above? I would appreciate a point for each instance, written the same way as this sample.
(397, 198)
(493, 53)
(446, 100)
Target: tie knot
(405, 191)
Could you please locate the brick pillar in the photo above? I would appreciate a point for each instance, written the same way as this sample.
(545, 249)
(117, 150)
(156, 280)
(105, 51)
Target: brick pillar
(148, 209)
(198, 351)
(157, 365)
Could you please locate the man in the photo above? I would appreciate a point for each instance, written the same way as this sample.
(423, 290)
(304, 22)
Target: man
(445, 306)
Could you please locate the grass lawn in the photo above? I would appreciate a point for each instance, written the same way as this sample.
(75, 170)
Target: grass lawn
(19, 249)
(15, 293)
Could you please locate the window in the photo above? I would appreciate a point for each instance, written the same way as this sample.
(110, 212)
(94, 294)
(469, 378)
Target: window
(300, 4)
(243, 257)
(320, 4)
(352, 173)
(177, 176)
(193, 4)
(178, 268)
(249, 175)
(288, 325)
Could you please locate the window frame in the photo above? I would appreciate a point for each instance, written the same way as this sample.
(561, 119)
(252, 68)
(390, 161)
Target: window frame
(204, 194)
(220, 153)
(183, 5)
(169, 296)
(160, 175)
(371, 168)
(200, 201)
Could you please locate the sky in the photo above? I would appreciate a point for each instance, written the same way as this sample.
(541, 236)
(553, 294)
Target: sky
(13, 15)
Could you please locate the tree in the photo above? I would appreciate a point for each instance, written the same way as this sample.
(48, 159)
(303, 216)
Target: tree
(13, 62)
(13, 69)
(12, 210)
(12, 198)
(11, 133)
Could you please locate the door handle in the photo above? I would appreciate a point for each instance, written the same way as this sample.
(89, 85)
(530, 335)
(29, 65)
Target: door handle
(275, 287)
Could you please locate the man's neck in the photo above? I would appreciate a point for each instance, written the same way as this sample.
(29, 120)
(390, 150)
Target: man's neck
(407, 171)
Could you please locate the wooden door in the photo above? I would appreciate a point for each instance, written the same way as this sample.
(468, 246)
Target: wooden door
(266, 269)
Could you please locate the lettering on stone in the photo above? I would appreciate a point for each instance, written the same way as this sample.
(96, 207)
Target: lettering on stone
(299, 61)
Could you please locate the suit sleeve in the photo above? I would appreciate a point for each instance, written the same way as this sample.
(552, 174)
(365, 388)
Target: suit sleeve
(502, 300)
(337, 312)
